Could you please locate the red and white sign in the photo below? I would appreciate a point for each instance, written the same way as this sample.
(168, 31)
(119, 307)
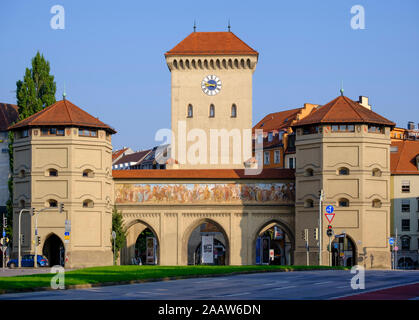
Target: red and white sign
(271, 254)
(329, 216)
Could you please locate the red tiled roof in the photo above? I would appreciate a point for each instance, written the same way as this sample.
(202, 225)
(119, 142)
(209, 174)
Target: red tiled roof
(404, 160)
(211, 43)
(202, 174)
(277, 120)
(343, 110)
(8, 114)
(117, 153)
(62, 113)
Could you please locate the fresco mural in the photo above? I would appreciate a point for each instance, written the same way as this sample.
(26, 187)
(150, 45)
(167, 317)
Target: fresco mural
(205, 193)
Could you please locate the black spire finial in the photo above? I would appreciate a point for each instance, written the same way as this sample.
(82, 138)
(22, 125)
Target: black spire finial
(194, 26)
(229, 26)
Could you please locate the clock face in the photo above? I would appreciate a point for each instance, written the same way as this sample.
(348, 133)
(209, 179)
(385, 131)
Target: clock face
(211, 85)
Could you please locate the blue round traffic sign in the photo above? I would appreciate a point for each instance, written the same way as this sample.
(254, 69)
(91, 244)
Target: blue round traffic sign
(329, 209)
(391, 241)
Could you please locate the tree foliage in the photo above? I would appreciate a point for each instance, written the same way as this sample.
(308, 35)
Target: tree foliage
(121, 233)
(37, 90)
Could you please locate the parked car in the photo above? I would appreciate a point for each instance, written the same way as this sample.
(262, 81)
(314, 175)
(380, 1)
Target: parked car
(27, 261)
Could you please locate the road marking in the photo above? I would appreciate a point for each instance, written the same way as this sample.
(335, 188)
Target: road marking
(341, 287)
(284, 288)
(319, 283)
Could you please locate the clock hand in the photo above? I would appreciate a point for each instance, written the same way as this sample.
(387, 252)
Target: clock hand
(209, 84)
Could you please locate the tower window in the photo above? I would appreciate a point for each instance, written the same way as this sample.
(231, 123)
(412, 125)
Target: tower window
(88, 173)
(53, 173)
(406, 186)
(376, 203)
(87, 133)
(212, 111)
(376, 172)
(343, 171)
(190, 111)
(343, 202)
(234, 111)
(52, 203)
(88, 203)
(309, 203)
(309, 173)
(405, 205)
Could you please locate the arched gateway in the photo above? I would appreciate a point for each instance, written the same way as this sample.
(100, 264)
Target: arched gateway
(204, 216)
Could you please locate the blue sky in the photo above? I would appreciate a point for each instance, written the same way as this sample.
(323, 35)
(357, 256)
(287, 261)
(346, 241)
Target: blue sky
(110, 54)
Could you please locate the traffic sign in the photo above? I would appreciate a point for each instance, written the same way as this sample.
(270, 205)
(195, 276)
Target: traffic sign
(391, 241)
(67, 233)
(329, 217)
(4, 233)
(330, 209)
(271, 253)
(396, 248)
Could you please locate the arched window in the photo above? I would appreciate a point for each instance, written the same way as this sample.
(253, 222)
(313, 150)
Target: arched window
(376, 203)
(52, 173)
(22, 173)
(233, 111)
(52, 203)
(309, 203)
(376, 172)
(309, 172)
(343, 171)
(343, 202)
(87, 203)
(190, 111)
(212, 111)
(88, 173)
(22, 203)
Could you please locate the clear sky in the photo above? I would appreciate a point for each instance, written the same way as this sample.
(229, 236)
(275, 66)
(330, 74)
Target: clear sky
(110, 54)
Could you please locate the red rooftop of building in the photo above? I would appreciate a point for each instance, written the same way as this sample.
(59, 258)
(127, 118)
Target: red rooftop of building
(62, 113)
(343, 110)
(211, 43)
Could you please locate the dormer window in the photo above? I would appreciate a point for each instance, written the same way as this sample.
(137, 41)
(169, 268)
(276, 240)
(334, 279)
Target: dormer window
(270, 136)
(87, 133)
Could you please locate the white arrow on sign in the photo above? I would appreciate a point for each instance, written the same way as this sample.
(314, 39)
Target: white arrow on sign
(329, 216)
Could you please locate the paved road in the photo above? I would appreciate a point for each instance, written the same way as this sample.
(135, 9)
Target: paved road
(278, 285)
(7, 272)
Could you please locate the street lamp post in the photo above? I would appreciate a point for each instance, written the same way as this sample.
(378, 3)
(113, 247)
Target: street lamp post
(114, 237)
(35, 261)
(20, 236)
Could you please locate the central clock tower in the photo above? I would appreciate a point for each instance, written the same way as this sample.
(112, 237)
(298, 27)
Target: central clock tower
(211, 97)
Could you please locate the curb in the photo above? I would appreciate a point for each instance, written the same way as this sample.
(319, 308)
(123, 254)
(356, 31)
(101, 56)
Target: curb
(126, 282)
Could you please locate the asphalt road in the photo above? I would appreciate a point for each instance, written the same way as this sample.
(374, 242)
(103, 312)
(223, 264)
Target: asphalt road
(277, 285)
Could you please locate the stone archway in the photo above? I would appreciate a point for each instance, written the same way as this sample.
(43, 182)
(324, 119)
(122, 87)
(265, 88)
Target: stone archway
(189, 232)
(344, 251)
(54, 250)
(134, 230)
(287, 244)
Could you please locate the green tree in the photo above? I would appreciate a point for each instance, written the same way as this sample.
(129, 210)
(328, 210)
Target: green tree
(35, 92)
(121, 233)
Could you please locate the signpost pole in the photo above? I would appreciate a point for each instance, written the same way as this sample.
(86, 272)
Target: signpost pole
(320, 226)
(395, 254)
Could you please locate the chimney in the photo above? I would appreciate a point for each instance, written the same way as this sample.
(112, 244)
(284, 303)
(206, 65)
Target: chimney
(410, 125)
(363, 101)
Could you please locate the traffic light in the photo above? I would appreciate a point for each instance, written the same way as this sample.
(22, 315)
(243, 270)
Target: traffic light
(22, 238)
(305, 235)
(38, 240)
(61, 207)
(316, 233)
(4, 222)
(32, 211)
(329, 231)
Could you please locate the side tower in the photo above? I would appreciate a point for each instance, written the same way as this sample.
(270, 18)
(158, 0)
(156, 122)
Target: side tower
(344, 149)
(211, 90)
(62, 154)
